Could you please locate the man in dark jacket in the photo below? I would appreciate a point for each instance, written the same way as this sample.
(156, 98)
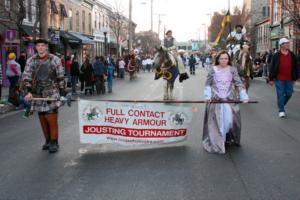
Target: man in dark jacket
(99, 70)
(283, 72)
(192, 62)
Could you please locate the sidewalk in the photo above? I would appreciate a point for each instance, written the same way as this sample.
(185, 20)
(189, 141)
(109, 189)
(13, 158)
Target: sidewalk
(5, 107)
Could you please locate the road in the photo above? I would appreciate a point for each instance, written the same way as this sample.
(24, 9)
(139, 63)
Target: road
(265, 167)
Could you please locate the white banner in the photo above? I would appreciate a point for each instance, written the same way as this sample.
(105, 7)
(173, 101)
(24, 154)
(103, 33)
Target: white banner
(132, 123)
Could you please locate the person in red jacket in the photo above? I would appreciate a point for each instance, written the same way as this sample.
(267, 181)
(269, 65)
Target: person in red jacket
(283, 73)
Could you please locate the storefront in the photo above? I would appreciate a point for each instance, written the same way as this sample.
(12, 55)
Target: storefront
(99, 39)
(9, 44)
(87, 46)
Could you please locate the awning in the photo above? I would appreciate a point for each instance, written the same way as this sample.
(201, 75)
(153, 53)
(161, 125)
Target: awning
(69, 38)
(84, 39)
(28, 30)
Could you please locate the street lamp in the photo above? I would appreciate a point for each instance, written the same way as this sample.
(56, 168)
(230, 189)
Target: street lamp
(105, 31)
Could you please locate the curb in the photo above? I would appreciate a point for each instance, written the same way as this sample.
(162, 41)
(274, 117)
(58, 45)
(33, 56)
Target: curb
(5, 108)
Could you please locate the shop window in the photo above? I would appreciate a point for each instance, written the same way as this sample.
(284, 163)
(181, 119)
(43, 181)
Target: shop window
(70, 20)
(7, 4)
(29, 10)
(83, 21)
(90, 22)
(77, 21)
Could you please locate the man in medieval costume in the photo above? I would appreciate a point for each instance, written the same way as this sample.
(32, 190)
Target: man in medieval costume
(44, 78)
(235, 40)
(169, 44)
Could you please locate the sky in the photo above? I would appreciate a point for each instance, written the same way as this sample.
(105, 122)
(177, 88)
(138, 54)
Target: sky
(188, 19)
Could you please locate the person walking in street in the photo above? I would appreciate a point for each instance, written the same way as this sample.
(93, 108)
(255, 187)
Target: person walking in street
(98, 68)
(13, 73)
(192, 62)
(68, 70)
(283, 72)
(74, 74)
(222, 121)
(0, 81)
(22, 61)
(122, 68)
(88, 72)
(110, 76)
(269, 60)
(44, 77)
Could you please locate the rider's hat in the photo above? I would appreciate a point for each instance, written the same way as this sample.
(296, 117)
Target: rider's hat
(168, 32)
(238, 25)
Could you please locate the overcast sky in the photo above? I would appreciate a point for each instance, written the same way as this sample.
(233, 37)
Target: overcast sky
(184, 17)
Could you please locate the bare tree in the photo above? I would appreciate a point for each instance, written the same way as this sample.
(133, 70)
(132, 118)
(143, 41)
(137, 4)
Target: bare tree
(117, 23)
(291, 10)
(147, 40)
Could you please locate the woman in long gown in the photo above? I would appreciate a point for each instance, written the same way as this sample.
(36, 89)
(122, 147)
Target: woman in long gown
(222, 121)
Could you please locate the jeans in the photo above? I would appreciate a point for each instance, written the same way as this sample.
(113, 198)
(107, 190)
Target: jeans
(74, 81)
(122, 72)
(265, 70)
(284, 91)
(109, 83)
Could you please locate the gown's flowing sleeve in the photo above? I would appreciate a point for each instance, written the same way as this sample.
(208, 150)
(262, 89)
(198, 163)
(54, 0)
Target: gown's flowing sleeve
(238, 83)
(208, 85)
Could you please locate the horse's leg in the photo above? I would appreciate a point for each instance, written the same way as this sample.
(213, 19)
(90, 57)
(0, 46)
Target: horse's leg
(171, 87)
(165, 86)
(247, 83)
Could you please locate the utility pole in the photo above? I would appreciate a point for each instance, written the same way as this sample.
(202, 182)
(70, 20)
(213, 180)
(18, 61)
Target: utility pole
(130, 27)
(151, 15)
(43, 19)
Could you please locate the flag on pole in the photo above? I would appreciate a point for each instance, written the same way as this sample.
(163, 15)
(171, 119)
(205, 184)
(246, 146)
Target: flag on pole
(226, 19)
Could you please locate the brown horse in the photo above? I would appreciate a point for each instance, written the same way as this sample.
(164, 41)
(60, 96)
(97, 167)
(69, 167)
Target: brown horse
(244, 65)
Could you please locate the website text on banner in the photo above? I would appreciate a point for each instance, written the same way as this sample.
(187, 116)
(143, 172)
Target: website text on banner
(132, 123)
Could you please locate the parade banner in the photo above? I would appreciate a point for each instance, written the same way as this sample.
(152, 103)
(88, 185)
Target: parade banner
(126, 123)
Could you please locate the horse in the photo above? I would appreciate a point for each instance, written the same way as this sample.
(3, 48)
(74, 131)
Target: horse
(132, 67)
(167, 67)
(244, 65)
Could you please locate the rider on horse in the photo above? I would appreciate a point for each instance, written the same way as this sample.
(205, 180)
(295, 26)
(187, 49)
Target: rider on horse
(169, 44)
(235, 40)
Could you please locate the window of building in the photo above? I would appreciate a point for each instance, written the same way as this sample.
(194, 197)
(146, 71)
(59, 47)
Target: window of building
(103, 21)
(275, 8)
(29, 10)
(77, 21)
(83, 21)
(70, 20)
(63, 14)
(54, 11)
(96, 19)
(90, 22)
(99, 22)
(7, 4)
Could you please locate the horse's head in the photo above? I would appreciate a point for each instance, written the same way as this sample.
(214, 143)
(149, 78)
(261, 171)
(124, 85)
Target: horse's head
(161, 57)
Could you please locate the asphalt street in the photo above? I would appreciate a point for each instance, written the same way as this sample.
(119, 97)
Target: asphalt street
(265, 167)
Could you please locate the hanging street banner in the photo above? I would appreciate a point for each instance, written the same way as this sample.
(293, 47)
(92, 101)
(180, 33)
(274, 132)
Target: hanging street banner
(126, 123)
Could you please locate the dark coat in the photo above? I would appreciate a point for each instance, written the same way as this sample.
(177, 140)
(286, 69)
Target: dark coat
(275, 67)
(75, 69)
(88, 73)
